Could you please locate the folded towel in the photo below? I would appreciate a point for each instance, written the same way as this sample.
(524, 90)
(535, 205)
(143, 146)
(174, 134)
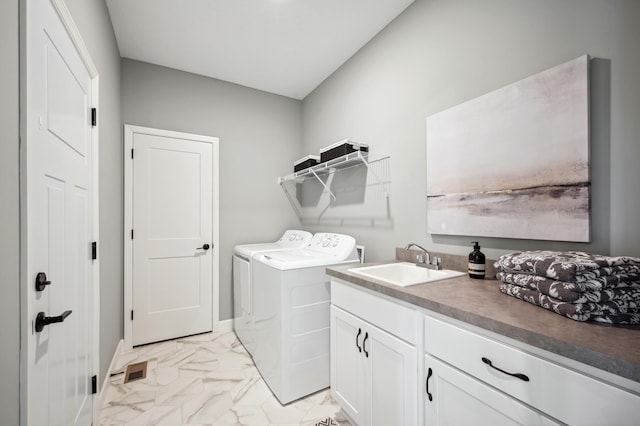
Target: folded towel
(572, 266)
(601, 289)
(606, 312)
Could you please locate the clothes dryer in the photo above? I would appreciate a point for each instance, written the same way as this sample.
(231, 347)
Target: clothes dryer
(242, 284)
(292, 296)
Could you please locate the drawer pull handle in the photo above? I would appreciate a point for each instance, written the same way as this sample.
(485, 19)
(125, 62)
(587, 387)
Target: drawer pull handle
(429, 373)
(518, 375)
(366, 336)
(357, 337)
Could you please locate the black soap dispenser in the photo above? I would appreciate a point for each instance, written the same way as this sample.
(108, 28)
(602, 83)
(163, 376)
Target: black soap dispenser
(476, 262)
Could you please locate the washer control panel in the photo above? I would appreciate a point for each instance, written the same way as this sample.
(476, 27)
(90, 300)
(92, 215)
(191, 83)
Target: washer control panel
(294, 238)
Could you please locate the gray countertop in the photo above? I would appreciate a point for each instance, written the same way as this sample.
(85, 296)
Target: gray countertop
(615, 349)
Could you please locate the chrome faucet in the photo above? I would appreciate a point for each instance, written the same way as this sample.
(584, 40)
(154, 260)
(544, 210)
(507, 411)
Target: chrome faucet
(424, 260)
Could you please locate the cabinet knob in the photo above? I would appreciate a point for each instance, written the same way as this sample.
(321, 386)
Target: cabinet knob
(357, 342)
(429, 373)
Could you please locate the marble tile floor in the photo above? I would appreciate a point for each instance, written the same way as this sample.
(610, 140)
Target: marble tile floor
(208, 379)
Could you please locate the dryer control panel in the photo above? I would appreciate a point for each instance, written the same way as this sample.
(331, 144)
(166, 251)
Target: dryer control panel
(342, 247)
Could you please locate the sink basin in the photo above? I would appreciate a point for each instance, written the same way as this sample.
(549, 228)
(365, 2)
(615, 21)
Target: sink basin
(404, 274)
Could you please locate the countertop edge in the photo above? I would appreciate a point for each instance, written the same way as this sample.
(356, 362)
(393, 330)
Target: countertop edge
(603, 361)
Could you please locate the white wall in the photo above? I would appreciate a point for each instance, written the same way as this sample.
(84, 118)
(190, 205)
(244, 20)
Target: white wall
(440, 53)
(259, 135)
(9, 216)
(92, 18)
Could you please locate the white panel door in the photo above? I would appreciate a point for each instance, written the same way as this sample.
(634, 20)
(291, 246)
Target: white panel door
(172, 237)
(59, 224)
(459, 399)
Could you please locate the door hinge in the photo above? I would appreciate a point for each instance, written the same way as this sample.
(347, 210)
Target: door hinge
(132, 234)
(94, 384)
(94, 117)
(94, 250)
(132, 315)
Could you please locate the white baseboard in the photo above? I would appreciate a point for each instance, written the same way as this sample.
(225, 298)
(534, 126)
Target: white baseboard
(110, 370)
(224, 326)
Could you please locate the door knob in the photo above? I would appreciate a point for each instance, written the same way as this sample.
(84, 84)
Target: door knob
(205, 247)
(41, 281)
(42, 320)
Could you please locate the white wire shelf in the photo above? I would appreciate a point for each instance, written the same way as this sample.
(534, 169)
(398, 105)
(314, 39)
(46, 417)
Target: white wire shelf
(353, 159)
(353, 187)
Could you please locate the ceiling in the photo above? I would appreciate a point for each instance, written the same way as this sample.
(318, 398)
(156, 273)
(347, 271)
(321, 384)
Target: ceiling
(287, 47)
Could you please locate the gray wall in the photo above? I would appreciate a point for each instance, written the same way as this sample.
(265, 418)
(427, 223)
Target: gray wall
(92, 18)
(440, 53)
(9, 215)
(259, 140)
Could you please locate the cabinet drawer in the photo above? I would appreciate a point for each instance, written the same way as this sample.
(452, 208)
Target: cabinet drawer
(564, 394)
(456, 398)
(398, 320)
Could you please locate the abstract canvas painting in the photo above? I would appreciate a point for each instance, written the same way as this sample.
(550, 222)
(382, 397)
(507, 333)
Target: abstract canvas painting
(514, 163)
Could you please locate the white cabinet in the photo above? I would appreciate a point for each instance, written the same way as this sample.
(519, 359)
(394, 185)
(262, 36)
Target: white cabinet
(347, 363)
(474, 377)
(391, 378)
(507, 385)
(374, 374)
(455, 398)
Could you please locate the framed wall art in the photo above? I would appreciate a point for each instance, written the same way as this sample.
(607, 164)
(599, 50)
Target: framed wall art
(514, 163)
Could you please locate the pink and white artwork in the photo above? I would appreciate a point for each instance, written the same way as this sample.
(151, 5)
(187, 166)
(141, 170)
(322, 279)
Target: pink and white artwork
(514, 163)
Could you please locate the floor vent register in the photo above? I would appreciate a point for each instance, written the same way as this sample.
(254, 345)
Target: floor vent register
(135, 372)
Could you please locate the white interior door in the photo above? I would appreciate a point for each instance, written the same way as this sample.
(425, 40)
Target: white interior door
(172, 235)
(59, 202)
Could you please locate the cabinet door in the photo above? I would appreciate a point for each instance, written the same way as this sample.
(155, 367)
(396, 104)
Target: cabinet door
(392, 379)
(348, 363)
(459, 399)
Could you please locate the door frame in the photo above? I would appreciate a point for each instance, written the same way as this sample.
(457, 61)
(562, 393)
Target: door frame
(129, 131)
(26, 316)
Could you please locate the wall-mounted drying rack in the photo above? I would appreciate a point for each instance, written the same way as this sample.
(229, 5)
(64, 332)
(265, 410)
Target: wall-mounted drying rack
(351, 187)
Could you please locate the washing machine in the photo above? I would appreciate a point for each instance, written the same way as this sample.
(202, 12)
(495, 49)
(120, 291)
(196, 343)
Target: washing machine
(291, 314)
(242, 284)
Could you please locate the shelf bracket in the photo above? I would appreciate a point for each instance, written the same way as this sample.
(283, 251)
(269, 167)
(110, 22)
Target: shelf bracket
(369, 169)
(323, 184)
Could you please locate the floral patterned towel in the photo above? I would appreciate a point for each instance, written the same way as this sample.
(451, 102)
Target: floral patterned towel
(606, 312)
(571, 266)
(603, 289)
